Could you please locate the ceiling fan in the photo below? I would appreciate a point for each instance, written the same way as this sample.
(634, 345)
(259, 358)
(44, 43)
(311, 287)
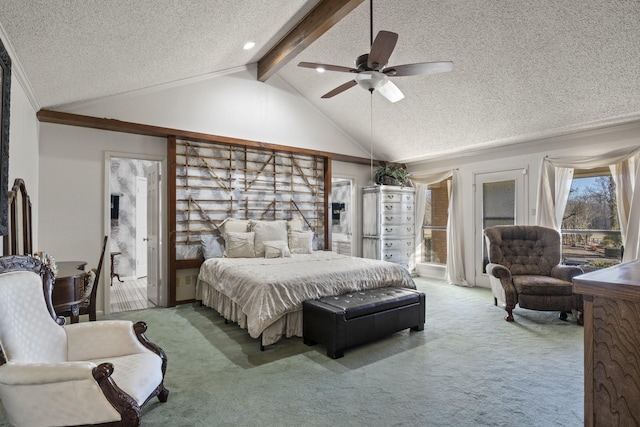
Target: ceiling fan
(370, 71)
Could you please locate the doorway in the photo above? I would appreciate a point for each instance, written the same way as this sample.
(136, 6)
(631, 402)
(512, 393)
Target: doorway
(128, 230)
(342, 215)
(500, 199)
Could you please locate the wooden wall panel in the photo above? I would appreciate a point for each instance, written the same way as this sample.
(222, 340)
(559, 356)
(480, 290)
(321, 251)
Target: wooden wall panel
(215, 181)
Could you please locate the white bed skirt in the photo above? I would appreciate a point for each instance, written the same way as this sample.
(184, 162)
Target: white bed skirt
(290, 325)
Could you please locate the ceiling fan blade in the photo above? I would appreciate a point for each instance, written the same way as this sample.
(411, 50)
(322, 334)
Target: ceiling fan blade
(418, 69)
(391, 92)
(339, 89)
(381, 49)
(327, 67)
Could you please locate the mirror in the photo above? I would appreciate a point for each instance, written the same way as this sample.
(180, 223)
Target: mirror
(5, 102)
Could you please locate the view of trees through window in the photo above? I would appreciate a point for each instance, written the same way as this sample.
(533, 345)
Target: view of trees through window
(590, 228)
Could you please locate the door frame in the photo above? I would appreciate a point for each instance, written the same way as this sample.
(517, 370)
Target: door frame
(352, 213)
(521, 176)
(139, 219)
(353, 197)
(163, 270)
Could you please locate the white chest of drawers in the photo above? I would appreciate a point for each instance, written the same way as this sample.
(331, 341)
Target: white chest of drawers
(388, 224)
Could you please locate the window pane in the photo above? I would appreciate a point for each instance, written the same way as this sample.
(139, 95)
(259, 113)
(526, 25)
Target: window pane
(499, 203)
(590, 229)
(434, 242)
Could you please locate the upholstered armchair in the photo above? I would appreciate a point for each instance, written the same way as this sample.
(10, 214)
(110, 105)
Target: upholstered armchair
(85, 373)
(524, 269)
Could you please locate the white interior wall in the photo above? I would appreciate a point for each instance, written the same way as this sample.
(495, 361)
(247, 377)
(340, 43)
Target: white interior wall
(234, 105)
(72, 185)
(523, 156)
(72, 193)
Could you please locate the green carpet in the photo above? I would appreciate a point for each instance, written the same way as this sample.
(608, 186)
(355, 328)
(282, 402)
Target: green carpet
(467, 368)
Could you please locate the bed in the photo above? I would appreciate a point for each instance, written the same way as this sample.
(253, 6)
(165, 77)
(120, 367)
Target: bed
(265, 295)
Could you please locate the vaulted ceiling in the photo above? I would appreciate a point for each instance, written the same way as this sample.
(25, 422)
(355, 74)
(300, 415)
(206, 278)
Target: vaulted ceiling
(521, 68)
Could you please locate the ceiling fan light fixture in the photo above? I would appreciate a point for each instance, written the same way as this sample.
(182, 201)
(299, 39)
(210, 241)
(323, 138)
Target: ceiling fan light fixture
(370, 80)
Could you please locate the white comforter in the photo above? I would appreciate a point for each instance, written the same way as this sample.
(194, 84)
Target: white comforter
(268, 288)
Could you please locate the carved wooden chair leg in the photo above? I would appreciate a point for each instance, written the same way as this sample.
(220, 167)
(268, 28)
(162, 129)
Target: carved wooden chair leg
(509, 316)
(580, 318)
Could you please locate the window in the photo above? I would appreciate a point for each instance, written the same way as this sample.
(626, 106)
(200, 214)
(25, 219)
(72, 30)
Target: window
(590, 229)
(434, 227)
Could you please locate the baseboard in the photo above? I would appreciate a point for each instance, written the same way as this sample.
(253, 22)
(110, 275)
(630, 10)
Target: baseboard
(436, 271)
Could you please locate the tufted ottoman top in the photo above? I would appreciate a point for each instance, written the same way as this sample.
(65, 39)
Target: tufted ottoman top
(361, 303)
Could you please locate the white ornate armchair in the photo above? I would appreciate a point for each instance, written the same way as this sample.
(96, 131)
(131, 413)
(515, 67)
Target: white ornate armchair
(80, 374)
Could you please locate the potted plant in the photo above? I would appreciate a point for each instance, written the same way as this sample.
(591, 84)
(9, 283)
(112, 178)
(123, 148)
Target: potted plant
(391, 175)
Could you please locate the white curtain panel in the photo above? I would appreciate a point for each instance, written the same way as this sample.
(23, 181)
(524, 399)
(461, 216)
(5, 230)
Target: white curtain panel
(626, 175)
(555, 183)
(455, 273)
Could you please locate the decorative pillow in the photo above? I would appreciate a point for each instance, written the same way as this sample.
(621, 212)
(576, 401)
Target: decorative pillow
(232, 225)
(300, 242)
(266, 231)
(212, 246)
(276, 249)
(296, 224)
(239, 245)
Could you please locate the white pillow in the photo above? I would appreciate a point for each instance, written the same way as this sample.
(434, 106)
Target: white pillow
(300, 242)
(276, 249)
(296, 224)
(267, 231)
(212, 246)
(232, 225)
(239, 245)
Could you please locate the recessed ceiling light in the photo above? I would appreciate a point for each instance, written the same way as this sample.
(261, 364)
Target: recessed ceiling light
(320, 69)
(248, 45)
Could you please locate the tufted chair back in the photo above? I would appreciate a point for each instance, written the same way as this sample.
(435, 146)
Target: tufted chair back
(525, 249)
(28, 333)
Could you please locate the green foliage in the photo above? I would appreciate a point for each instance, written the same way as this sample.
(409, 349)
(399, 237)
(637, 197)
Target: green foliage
(602, 263)
(393, 174)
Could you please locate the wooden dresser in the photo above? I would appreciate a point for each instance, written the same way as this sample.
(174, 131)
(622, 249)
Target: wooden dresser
(611, 344)
(388, 223)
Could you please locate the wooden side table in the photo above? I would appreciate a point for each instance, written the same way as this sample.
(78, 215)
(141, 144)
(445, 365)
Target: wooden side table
(113, 270)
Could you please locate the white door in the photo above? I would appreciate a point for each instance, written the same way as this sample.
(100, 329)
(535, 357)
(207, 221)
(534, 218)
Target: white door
(153, 234)
(141, 227)
(500, 199)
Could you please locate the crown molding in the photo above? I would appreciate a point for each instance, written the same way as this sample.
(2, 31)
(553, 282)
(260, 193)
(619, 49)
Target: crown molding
(150, 89)
(520, 141)
(18, 71)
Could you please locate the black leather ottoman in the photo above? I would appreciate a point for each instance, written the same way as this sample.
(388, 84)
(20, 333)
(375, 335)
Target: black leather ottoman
(343, 321)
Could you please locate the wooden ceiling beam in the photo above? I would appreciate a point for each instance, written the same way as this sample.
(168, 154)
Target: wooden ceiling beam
(71, 119)
(324, 16)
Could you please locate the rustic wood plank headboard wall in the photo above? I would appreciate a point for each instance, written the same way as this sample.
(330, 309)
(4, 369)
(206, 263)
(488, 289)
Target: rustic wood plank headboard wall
(216, 181)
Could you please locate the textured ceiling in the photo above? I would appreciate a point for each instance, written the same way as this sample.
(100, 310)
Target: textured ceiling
(520, 67)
